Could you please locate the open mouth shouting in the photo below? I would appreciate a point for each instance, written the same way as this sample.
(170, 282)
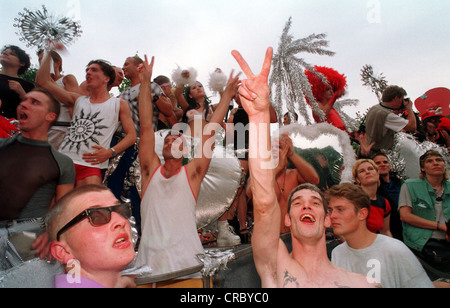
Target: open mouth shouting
(307, 218)
(22, 116)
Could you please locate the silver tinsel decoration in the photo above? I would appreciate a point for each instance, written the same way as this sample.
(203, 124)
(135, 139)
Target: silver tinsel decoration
(214, 260)
(376, 83)
(38, 28)
(288, 75)
(404, 156)
(351, 124)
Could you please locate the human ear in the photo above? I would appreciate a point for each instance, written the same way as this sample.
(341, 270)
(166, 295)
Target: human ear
(327, 221)
(287, 220)
(60, 252)
(363, 214)
(51, 116)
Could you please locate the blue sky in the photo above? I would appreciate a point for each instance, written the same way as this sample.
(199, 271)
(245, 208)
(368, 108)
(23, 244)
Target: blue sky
(407, 40)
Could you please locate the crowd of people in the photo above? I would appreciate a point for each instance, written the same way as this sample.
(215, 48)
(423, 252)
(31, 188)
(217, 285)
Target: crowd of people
(57, 204)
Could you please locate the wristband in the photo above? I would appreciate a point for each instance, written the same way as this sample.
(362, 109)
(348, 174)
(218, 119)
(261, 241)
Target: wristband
(114, 153)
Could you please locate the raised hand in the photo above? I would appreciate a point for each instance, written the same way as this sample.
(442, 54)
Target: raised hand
(254, 90)
(232, 84)
(146, 69)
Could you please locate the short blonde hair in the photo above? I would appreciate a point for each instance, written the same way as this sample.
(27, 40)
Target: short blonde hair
(59, 210)
(359, 163)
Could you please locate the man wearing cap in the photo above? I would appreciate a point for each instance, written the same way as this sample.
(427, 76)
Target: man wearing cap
(424, 206)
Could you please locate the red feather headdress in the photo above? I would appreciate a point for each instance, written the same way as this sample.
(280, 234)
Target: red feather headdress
(336, 80)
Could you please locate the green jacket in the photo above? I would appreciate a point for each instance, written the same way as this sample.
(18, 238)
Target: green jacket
(423, 199)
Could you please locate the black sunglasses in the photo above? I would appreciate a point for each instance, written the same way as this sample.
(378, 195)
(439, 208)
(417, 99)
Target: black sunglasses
(98, 216)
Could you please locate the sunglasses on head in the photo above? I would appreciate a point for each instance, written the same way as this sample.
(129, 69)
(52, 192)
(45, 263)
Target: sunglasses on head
(98, 216)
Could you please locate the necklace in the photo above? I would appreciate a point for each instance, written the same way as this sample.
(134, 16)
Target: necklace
(284, 182)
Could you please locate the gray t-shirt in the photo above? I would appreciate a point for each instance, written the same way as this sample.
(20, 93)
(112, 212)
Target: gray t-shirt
(387, 260)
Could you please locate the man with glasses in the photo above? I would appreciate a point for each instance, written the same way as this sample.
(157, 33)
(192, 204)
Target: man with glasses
(91, 236)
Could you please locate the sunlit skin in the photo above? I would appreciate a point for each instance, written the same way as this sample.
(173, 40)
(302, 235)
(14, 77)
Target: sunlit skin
(102, 251)
(367, 174)
(345, 220)
(307, 265)
(307, 218)
(34, 115)
(95, 76)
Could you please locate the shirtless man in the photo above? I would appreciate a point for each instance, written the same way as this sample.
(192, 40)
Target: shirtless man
(287, 179)
(308, 264)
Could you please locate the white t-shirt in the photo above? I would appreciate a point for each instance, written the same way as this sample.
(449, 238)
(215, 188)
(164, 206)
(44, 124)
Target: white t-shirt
(395, 122)
(387, 260)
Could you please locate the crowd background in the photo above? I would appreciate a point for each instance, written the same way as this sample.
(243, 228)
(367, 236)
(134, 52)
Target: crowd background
(177, 102)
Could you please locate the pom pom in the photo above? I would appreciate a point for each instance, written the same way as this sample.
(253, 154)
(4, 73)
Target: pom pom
(217, 81)
(184, 76)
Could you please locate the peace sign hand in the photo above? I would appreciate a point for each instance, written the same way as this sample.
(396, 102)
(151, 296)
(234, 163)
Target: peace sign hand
(145, 69)
(254, 91)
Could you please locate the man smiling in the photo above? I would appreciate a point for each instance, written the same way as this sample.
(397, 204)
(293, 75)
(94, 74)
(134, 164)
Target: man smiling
(308, 264)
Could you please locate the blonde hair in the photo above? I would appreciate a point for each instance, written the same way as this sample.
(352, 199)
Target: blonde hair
(359, 163)
(59, 210)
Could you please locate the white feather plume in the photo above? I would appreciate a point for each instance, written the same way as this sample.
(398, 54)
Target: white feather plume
(217, 81)
(179, 79)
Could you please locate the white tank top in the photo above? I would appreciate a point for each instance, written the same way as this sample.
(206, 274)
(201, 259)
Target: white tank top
(169, 240)
(64, 115)
(92, 124)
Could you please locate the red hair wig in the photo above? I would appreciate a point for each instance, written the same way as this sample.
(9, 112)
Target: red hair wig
(337, 81)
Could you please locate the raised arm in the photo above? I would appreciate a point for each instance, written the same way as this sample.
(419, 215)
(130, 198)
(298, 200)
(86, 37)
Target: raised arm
(305, 171)
(254, 94)
(147, 155)
(44, 80)
(198, 167)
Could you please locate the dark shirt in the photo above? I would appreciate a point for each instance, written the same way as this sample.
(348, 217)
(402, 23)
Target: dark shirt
(29, 173)
(10, 99)
(241, 133)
